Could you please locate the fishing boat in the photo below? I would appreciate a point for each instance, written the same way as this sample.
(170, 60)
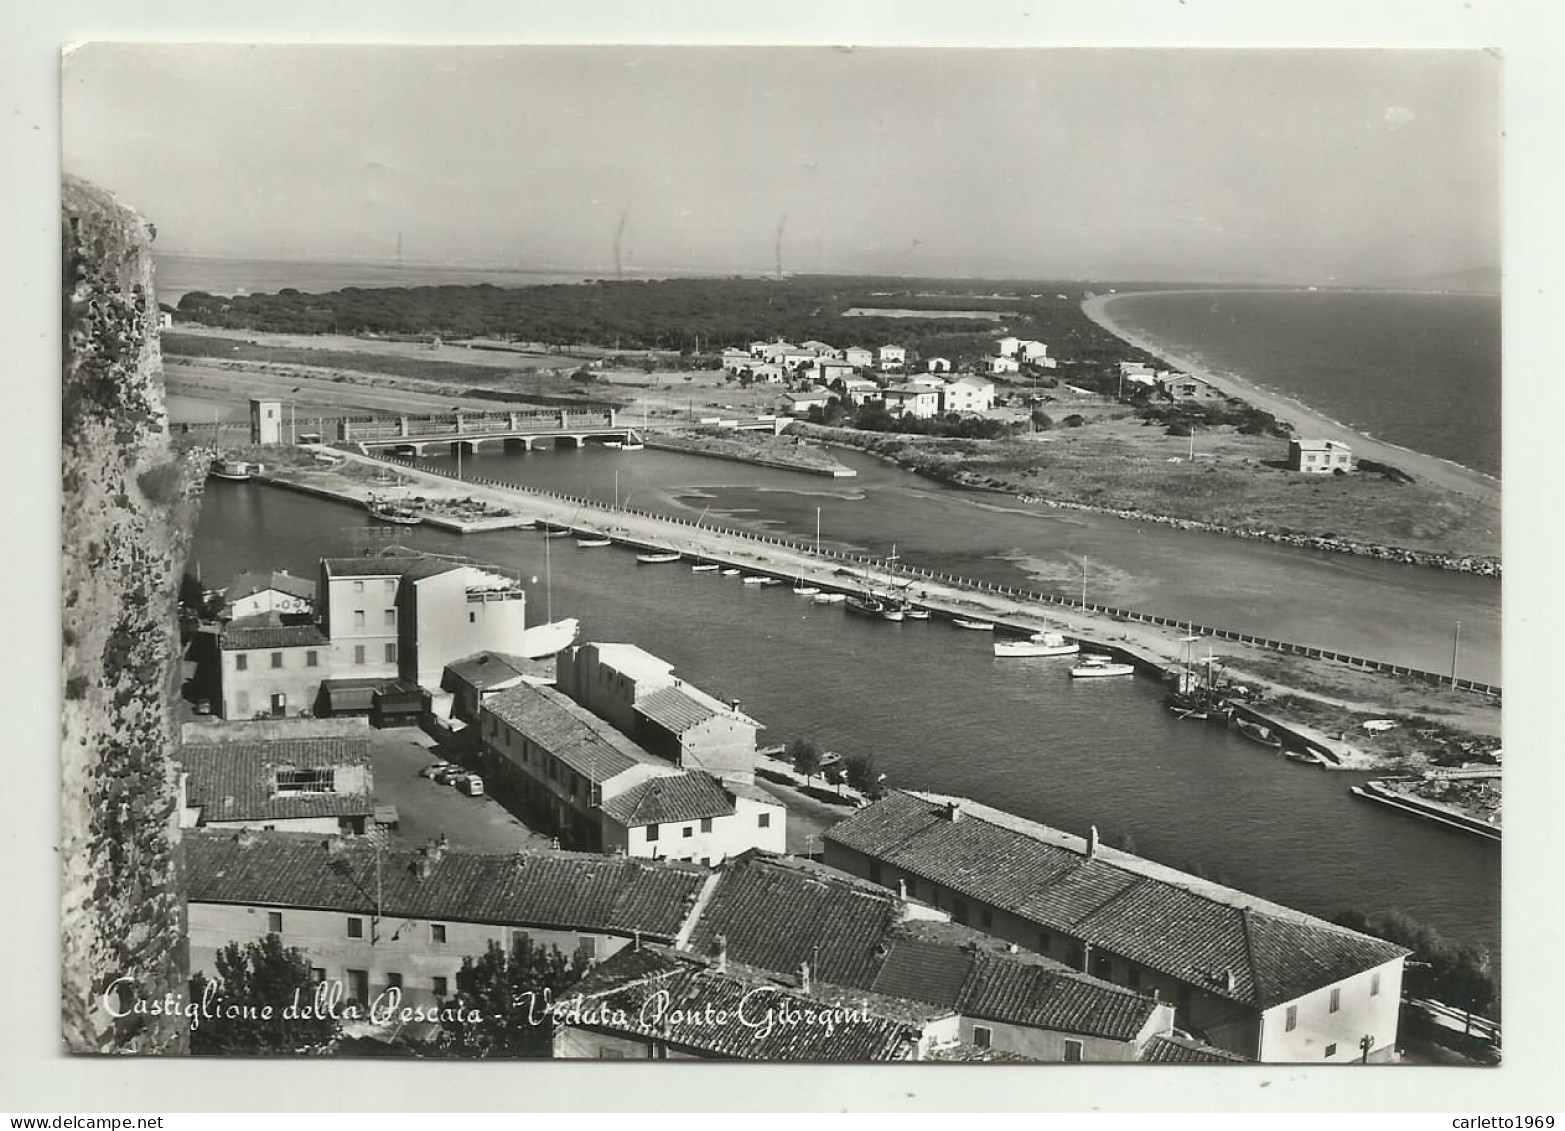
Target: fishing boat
(392, 511)
(547, 639)
(915, 614)
(593, 543)
(556, 531)
(1255, 732)
(731, 572)
(830, 598)
(704, 567)
(973, 625)
(236, 470)
(1038, 644)
(869, 605)
(658, 558)
(1099, 667)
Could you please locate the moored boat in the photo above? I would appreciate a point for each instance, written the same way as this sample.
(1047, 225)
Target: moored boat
(1038, 644)
(973, 625)
(830, 598)
(657, 558)
(869, 605)
(1098, 667)
(1255, 732)
(915, 614)
(632, 446)
(396, 513)
(731, 572)
(704, 567)
(753, 580)
(236, 470)
(592, 543)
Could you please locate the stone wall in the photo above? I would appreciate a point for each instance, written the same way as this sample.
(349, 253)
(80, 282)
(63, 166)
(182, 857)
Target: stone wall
(129, 505)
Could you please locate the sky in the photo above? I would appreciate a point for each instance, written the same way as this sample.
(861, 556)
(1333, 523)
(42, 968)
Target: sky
(1365, 167)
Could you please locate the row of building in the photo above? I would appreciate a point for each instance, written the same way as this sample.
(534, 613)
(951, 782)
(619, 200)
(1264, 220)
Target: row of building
(937, 928)
(920, 397)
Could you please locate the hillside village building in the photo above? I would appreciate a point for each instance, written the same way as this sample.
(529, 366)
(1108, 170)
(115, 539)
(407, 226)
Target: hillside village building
(1250, 977)
(918, 401)
(1319, 456)
(858, 390)
(967, 394)
(640, 694)
(858, 357)
(265, 667)
(256, 594)
(891, 357)
(312, 784)
(997, 365)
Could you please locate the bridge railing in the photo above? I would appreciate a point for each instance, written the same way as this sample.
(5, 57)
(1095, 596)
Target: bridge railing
(913, 573)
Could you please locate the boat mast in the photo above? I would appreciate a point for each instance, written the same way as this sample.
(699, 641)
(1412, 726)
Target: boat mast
(548, 581)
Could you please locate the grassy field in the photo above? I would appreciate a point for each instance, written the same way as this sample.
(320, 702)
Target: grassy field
(1234, 481)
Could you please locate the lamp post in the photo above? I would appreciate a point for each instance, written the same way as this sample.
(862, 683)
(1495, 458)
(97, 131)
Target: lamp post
(458, 410)
(1366, 1042)
(1456, 647)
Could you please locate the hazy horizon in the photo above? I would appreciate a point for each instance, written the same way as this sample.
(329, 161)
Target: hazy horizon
(1334, 168)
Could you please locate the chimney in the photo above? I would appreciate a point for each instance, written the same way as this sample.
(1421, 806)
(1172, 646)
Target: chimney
(334, 845)
(1228, 981)
(804, 977)
(902, 888)
(733, 705)
(1092, 843)
(247, 836)
(722, 954)
(953, 812)
(635, 940)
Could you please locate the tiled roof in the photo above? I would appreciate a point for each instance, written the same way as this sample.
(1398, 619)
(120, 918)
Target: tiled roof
(682, 797)
(778, 912)
(483, 671)
(1169, 1049)
(368, 566)
(1224, 941)
(561, 890)
(573, 734)
(237, 637)
(247, 584)
(674, 709)
(658, 995)
(237, 781)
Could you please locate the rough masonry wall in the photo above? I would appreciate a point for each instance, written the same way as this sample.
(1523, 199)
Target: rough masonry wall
(128, 506)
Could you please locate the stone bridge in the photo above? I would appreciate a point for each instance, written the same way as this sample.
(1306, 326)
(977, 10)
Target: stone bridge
(414, 434)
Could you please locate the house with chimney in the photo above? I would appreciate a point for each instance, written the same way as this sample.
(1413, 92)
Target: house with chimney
(368, 920)
(309, 783)
(670, 718)
(1248, 976)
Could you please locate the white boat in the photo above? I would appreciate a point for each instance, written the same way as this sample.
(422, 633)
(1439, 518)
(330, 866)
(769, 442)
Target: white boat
(915, 614)
(590, 543)
(771, 581)
(1038, 644)
(547, 639)
(235, 469)
(804, 590)
(830, 598)
(657, 559)
(731, 572)
(752, 580)
(613, 443)
(1100, 667)
(973, 625)
(632, 447)
(704, 567)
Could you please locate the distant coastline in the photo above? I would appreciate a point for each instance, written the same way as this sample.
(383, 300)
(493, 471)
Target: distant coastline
(1304, 419)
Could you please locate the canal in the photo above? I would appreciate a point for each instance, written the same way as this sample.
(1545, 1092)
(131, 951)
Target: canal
(932, 704)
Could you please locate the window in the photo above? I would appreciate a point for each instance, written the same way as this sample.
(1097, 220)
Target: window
(1374, 985)
(1331, 1051)
(358, 618)
(437, 932)
(959, 911)
(764, 821)
(391, 618)
(391, 652)
(389, 585)
(1291, 1020)
(1073, 1051)
(355, 928)
(472, 617)
(312, 659)
(393, 980)
(274, 922)
(277, 659)
(652, 833)
(306, 781)
(358, 586)
(358, 653)
(241, 662)
(688, 831)
(983, 1037)
(588, 948)
(706, 827)
(1336, 1000)
(438, 985)
(359, 986)
(1043, 942)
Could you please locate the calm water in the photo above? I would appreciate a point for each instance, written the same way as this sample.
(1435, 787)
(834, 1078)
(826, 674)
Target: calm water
(931, 702)
(1422, 371)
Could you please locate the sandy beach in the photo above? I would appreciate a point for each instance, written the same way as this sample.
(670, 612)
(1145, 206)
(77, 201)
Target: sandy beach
(1306, 421)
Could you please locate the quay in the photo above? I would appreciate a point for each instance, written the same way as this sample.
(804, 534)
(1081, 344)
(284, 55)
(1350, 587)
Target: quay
(1383, 793)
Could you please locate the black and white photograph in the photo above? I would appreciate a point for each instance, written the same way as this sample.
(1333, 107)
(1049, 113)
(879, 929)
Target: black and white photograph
(779, 553)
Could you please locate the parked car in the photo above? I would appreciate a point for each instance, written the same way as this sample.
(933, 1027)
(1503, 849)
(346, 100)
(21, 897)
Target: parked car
(433, 769)
(447, 775)
(471, 784)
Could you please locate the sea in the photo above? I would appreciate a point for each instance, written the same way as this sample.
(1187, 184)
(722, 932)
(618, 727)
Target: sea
(1418, 370)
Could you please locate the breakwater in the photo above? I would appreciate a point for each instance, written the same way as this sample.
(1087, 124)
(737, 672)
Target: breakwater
(861, 566)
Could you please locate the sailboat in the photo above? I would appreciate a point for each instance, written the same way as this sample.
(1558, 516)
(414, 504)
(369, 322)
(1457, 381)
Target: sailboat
(1188, 699)
(1041, 643)
(799, 587)
(397, 512)
(872, 604)
(553, 636)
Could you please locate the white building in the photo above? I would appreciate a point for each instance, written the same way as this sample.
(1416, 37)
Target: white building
(693, 816)
(1321, 457)
(858, 390)
(800, 403)
(1007, 347)
(768, 373)
(967, 394)
(938, 364)
(858, 357)
(891, 357)
(829, 372)
(1031, 350)
(999, 365)
(821, 349)
(255, 594)
(737, 361)
(918, 401)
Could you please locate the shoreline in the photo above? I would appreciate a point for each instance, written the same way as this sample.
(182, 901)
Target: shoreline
(1305, 420)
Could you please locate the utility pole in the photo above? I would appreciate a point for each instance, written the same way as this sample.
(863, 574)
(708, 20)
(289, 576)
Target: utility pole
(1084, 582)
(1456, 646)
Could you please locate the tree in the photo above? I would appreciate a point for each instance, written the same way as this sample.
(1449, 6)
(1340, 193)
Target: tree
(509, 993)
(864, 775)
(1455, 973)
(255, 987)
(805, 758)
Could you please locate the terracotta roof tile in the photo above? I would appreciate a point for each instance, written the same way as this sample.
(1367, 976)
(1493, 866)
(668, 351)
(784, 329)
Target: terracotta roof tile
(238, 781)
(236, 637)
(683, 797)
(558, 724)
(1169, 1049)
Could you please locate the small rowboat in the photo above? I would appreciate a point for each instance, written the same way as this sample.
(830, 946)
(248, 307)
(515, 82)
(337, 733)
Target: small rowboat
(771, 581)
(1098, 667)
(730, 572)
(830, 598)
(590, 543)
(754, 580)
(657, 559)
(1255, 732)
(916, 614)
(704, 567)
(973, 625)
